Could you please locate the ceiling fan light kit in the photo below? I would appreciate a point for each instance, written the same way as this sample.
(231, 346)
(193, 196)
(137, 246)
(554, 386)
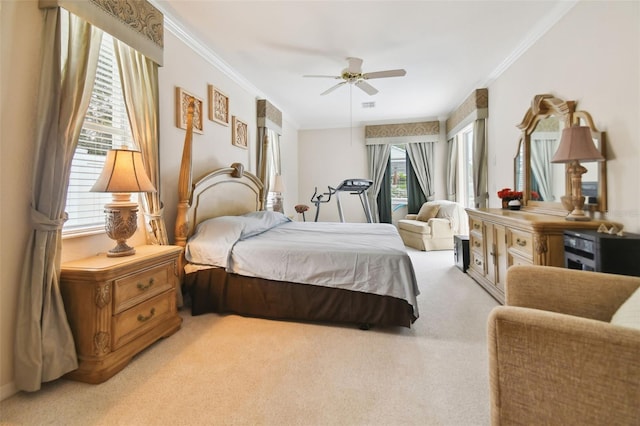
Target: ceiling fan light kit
(353, 74)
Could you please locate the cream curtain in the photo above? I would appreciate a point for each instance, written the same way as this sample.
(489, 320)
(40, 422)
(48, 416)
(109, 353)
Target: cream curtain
(480, 184)
(269, 163)
(139, 77)
(421, 157)
(44, 348)
(378, 156)
(452, 169)
(542, 151)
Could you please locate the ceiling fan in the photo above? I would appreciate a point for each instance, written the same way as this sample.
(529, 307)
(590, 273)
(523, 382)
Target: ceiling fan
(353, 74)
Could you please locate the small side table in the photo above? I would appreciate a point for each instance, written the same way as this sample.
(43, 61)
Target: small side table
(461, 251)
(118, 306)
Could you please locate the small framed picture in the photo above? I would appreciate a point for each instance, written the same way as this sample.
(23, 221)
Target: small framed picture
(240, 133)
(182, 106)
(218, 106)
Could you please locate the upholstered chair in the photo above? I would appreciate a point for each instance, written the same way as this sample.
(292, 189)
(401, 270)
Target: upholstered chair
(565, 350)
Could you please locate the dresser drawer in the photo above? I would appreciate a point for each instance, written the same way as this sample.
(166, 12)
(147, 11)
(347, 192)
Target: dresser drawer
(475, 242)
(133, 289)
(475, 225)
(476, 262)
(521, 242)
(517, 260)
(130, 324)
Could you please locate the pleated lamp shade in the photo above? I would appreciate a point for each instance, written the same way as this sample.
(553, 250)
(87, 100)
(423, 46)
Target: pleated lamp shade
(123, 171)
(576, 144)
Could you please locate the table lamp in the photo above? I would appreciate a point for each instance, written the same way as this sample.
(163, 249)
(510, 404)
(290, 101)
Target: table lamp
(123, 173)
(278, 189)
(576, 145)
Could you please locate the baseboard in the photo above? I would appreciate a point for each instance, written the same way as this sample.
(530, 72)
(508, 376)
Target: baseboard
(8, 390)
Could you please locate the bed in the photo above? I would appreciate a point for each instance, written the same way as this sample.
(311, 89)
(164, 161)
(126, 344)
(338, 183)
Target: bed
(344, 273)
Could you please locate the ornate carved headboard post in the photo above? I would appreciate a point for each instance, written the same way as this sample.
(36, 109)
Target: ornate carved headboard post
(184, 182)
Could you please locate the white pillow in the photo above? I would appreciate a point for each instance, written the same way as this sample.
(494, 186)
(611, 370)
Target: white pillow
(628, 314)
(258, 222)
(213, 240)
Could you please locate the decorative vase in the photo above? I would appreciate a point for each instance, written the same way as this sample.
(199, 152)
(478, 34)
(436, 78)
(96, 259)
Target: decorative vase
(514, 205)
(505, 204)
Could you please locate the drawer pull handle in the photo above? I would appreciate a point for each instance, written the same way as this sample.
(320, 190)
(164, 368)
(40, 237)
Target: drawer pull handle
(477, 244)
(143, 287)
(521, 243)
(476, 226)
(477, 262)
(142, 318)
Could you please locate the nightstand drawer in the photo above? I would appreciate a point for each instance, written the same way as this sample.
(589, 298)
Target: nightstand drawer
(136, 288)
(130, 324)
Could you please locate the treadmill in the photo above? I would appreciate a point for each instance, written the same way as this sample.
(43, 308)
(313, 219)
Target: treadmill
(357, 187)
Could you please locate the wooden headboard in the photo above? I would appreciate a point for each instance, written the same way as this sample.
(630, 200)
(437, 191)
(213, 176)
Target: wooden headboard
(229, 191)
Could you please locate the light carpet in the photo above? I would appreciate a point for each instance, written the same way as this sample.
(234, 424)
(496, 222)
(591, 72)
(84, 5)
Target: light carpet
(245, 371)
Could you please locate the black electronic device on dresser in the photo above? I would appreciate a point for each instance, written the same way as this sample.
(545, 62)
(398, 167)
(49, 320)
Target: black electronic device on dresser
(590, 250)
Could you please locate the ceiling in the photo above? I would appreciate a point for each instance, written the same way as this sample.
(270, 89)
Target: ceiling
(448, 49)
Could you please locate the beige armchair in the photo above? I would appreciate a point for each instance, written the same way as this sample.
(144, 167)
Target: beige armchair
(554, 357)
(426, 232)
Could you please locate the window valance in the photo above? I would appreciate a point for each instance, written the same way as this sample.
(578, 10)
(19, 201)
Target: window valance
(475, 107)
(424, 131)
(269, 116)
(134, 22)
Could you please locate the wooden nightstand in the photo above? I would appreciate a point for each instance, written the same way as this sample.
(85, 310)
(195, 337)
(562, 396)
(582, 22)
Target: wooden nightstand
(117, 306)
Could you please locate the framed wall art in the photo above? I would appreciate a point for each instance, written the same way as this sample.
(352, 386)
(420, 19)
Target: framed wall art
(240, 133)
(182, 106)
(218, 106)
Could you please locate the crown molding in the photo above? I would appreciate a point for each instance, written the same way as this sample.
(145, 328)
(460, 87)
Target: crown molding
(559, 10)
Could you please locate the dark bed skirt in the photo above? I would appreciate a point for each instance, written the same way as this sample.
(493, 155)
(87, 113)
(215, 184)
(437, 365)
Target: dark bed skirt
(215, 290)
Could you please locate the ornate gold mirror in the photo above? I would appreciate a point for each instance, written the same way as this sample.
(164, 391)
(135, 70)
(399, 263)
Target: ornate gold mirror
(542, 182)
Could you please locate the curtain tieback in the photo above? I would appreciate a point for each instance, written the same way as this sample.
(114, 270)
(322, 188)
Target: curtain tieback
(41, 222)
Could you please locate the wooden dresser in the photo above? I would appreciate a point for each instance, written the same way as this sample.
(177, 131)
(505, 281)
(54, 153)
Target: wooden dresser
(500, 238)
(117, 306)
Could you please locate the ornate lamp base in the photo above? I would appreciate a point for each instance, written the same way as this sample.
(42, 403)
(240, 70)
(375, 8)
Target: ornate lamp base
(576, 200)
(121, 224)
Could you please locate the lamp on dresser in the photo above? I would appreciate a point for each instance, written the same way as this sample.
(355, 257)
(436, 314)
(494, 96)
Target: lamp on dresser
(123, 173)
(576, 145)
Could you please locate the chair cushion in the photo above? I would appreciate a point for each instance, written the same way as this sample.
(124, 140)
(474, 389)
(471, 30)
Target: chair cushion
(428, 211)
(416, 226)
(628, 314)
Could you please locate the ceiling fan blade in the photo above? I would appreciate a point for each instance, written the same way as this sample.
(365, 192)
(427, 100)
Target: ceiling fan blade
(355, 65)
(384, 74)
(323, 76)
(331, 89)
(366, 87)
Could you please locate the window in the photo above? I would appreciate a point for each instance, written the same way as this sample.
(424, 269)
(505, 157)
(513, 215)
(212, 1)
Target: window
(106, 126)
(465, 167)
(398, 159)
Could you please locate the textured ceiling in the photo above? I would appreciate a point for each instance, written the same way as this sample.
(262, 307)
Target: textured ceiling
(448, 48)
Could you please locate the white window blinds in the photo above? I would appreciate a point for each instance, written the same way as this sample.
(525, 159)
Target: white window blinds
(106, 126)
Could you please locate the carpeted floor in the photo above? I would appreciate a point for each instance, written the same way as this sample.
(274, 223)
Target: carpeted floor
(234, 370)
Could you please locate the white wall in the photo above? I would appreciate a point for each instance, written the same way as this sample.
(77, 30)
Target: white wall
(326, 158)
(591, 56)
